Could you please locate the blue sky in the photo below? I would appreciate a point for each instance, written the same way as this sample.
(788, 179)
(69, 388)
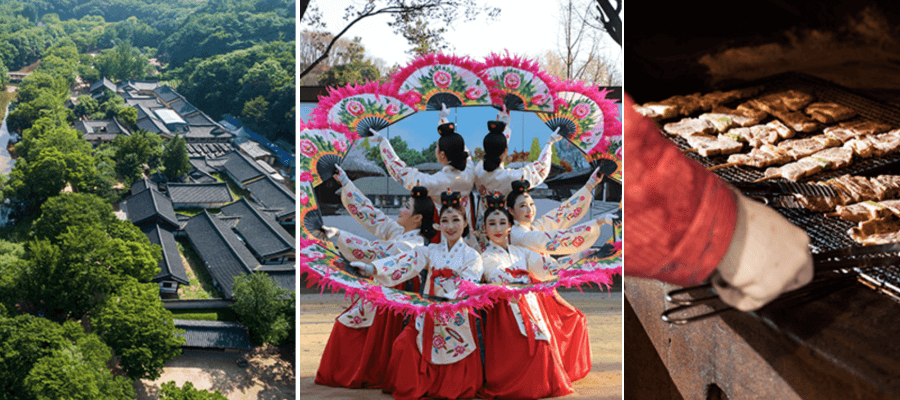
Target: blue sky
(420, 129)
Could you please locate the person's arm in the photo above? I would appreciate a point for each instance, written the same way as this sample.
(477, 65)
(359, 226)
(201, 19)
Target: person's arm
(537, 172)
(362, 210)
(394, 270)
(682, 220)
(572, 210)
(355, 248)
(558, 242)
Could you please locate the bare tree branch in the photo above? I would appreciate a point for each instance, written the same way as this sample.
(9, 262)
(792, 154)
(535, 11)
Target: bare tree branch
(609, 18)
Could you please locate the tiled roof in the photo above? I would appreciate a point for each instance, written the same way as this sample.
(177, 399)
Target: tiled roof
(220, 249)
(377, 185)
(170, 267)
(254, 150)
(182, 107)
(201, 119)
(138, 85)
(103, 83)
(208, 132)
(241, 167)
(214, 334)
(141, 185)
(284, 274)
(166, 93)
(198, 193)
(273, 195)
(261, 232)
(148, 102)
(100, 129)
(148, 205)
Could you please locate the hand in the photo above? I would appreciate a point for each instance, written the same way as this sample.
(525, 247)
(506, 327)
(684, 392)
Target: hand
(444, 114)
(767, 257)
(330, 231)
(503, 115)
(341, 176)
(376, 137)
(608, 219)
(595, 178)
(365, 269)
(554, 137)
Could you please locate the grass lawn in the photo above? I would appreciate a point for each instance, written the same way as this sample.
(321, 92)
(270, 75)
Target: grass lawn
(203, 314)
(201, 286)
(235, 190)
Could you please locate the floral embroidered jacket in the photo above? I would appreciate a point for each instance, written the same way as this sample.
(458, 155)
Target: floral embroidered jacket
(550, 234)
(500, 180)
(446, 338)
(447, 178)
(393, 240)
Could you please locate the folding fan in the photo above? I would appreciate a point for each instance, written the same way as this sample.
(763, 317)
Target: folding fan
(586, 118)
(323, 146)
(521, 84)
(360, 108)
(438, 78)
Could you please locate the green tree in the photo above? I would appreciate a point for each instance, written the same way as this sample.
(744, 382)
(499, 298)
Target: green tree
(85, 105)
(128, 116)
(122, 62)
(77, 371)
(134, 323)
(410, 156)
(259, 305)
(4, 75)
(255, 113)
(535, 150)
(24, 340)
(171, 391)
(141, 147)
(175, 160)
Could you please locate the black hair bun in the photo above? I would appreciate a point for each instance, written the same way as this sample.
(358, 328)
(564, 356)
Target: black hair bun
(419, 191)
(449, 198)
(496, 127)
(447, 129)
(521, 186)
(495, 201)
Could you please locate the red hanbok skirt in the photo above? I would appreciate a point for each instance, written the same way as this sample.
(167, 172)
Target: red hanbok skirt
(510, 370)
(358, 358)
(404, 380)
(569, 327)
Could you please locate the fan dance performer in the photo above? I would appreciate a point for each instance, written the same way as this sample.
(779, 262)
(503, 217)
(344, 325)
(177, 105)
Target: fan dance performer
(437, 356)
(521, 359)
(550, 235)
(491, 177)
(359, 348)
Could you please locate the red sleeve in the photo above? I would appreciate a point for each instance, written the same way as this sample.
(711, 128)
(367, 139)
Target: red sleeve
(680, 217)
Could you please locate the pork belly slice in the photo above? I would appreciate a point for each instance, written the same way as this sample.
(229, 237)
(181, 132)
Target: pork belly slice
(657, 111)
(877, 231)
(781, 129)
(859, 212)
(793, 100)
(865, 127)
(784, 110)
(862, 146)
(799, 148)
(690, 127)
(709, 146)
(829, 113)
(818, 203)
(746, 116)
(889, 184)
(857, 188)
(711, 100)
(832, 158)
(760, 157)
(887, 143)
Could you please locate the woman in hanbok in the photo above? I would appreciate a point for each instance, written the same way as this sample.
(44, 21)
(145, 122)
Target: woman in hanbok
(491, 177)
(359, 347)
(437, 356)
(457, 174)
(522, 360)
(553, 234)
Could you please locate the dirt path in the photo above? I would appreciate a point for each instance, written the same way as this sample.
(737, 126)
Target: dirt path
(267, 377)
(604, 313)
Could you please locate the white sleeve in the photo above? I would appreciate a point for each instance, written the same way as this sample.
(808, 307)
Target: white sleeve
(394, 270)
(536, 172)
(355, 248)
(557, 242)
(371, 218)
(568, 213)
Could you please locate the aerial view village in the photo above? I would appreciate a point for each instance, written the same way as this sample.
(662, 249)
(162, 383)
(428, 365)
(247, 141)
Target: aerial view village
(147, 216)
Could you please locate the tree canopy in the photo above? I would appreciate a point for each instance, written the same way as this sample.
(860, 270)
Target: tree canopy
(260, 303)
(175, 160)
(171, 391)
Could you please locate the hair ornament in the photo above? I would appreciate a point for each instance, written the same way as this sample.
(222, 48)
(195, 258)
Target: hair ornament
(419, 192)
(447, 129)
(521, 186)
(495, 201)
(449, 198)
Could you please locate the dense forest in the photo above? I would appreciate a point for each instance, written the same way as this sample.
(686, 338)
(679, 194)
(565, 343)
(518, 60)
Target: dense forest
(79, 315)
